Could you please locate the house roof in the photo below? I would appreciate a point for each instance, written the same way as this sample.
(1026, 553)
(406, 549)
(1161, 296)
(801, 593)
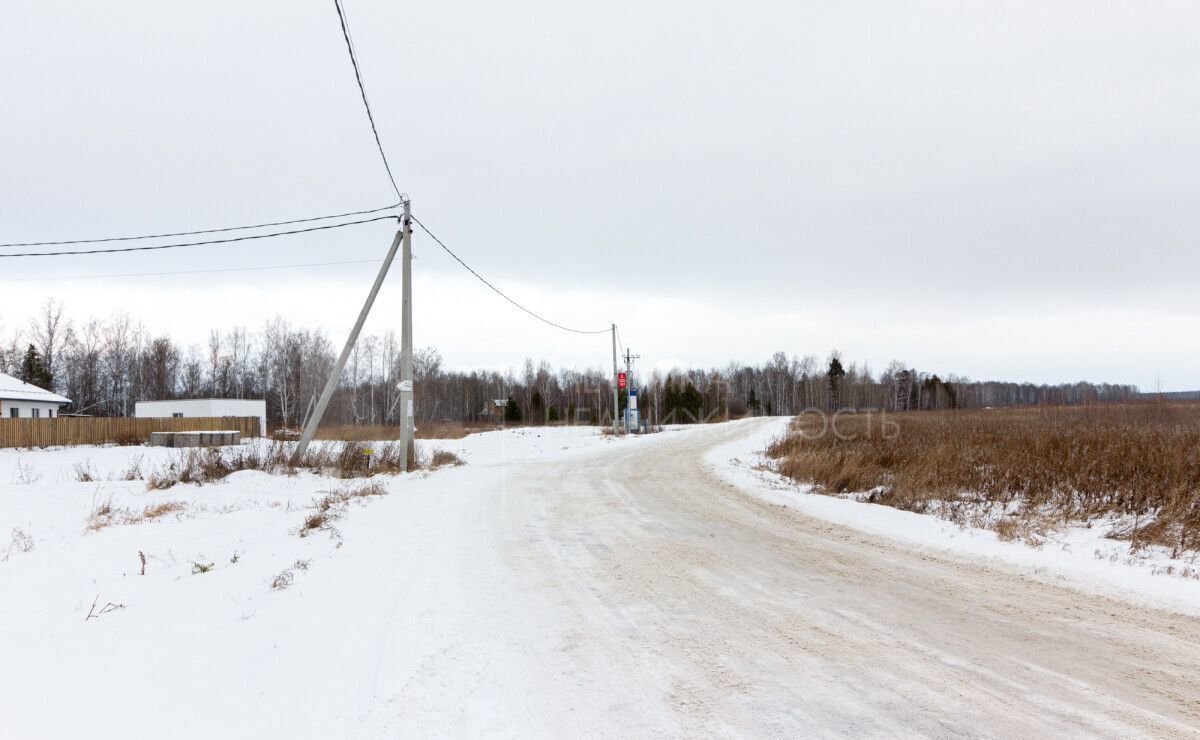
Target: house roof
(12, 389)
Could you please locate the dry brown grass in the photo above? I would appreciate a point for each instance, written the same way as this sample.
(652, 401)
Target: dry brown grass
(316, 521)
(1070, 463)
(332, 505)
(350, 459)
(134, 471)
(84, 472)
(104, 514)
(442, 458)
(347, 459)
(288, 576)
(214, 463)
(155, 511)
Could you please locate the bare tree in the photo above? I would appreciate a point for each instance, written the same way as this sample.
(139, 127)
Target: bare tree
(47, 330)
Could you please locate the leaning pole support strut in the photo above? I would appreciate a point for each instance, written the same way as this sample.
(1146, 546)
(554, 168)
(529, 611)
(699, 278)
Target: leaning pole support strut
(314, 420)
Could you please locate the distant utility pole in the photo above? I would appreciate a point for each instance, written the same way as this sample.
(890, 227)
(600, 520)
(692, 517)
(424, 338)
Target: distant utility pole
(314, 419)
(629, 358)
(616, 407)
(629, 380)
(407, 426)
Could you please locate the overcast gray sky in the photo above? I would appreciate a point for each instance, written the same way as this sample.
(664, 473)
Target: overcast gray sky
(1001, 190)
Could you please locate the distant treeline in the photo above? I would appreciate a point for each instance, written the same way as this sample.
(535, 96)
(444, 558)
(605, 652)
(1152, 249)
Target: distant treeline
(1172, 395)
(106, 366)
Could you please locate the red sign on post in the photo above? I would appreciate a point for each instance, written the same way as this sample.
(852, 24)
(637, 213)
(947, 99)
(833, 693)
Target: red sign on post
(621, 382)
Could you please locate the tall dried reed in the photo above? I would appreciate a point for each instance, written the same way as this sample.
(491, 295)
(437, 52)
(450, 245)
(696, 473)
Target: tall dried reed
(1078, 463)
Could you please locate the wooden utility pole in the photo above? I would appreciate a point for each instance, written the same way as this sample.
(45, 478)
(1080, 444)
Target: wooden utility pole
(407, 426)
(629, 358)
(616, 402)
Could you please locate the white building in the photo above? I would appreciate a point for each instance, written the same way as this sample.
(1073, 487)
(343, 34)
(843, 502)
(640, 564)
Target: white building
(20, 400)
(191, 408)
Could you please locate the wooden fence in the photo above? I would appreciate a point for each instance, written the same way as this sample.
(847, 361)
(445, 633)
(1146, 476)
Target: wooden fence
(96, 431)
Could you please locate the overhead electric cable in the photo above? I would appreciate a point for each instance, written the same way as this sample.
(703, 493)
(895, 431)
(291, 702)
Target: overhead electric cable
(378, 143)
(363, 90)
(246, 237)
(500, 292)
(201, 231)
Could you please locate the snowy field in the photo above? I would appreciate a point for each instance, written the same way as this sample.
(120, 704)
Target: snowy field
(1079, 555)
(561, 583)
(155, 658)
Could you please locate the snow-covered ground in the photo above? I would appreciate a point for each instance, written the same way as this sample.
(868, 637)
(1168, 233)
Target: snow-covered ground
(1079, 555)
(202, 645)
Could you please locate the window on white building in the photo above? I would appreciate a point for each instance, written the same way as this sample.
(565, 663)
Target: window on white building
(37, 413)
(14, 413)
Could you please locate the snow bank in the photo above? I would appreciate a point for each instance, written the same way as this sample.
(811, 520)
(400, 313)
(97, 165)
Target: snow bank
(1079, 556)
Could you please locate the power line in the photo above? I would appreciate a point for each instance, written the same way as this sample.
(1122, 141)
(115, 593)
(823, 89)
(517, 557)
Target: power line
(362, 89)
(193, 272)
(246, 237)
(378, 143)
(500, 292)
(201, 231)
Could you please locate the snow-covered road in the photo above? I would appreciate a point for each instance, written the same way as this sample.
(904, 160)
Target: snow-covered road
(687, 607)
(621, 590)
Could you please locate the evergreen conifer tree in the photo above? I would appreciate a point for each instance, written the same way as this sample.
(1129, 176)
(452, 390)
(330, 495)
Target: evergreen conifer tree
(34, 370)
(836, 373)
(752, 402)
(512, 412)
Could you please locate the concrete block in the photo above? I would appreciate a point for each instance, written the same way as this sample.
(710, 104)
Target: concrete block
(161, 439)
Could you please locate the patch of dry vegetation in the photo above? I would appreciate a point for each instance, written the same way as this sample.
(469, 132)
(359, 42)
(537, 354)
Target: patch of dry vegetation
(340, 459)
(1036, 466)
(84, 472)
(206, 465)
(21, 542)
(283, 580)
(442, 458)
(333, 505)
(104, 514)
(156, 511)
(350, 459)
(288, 575)
(319, 521)
(134, 470)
